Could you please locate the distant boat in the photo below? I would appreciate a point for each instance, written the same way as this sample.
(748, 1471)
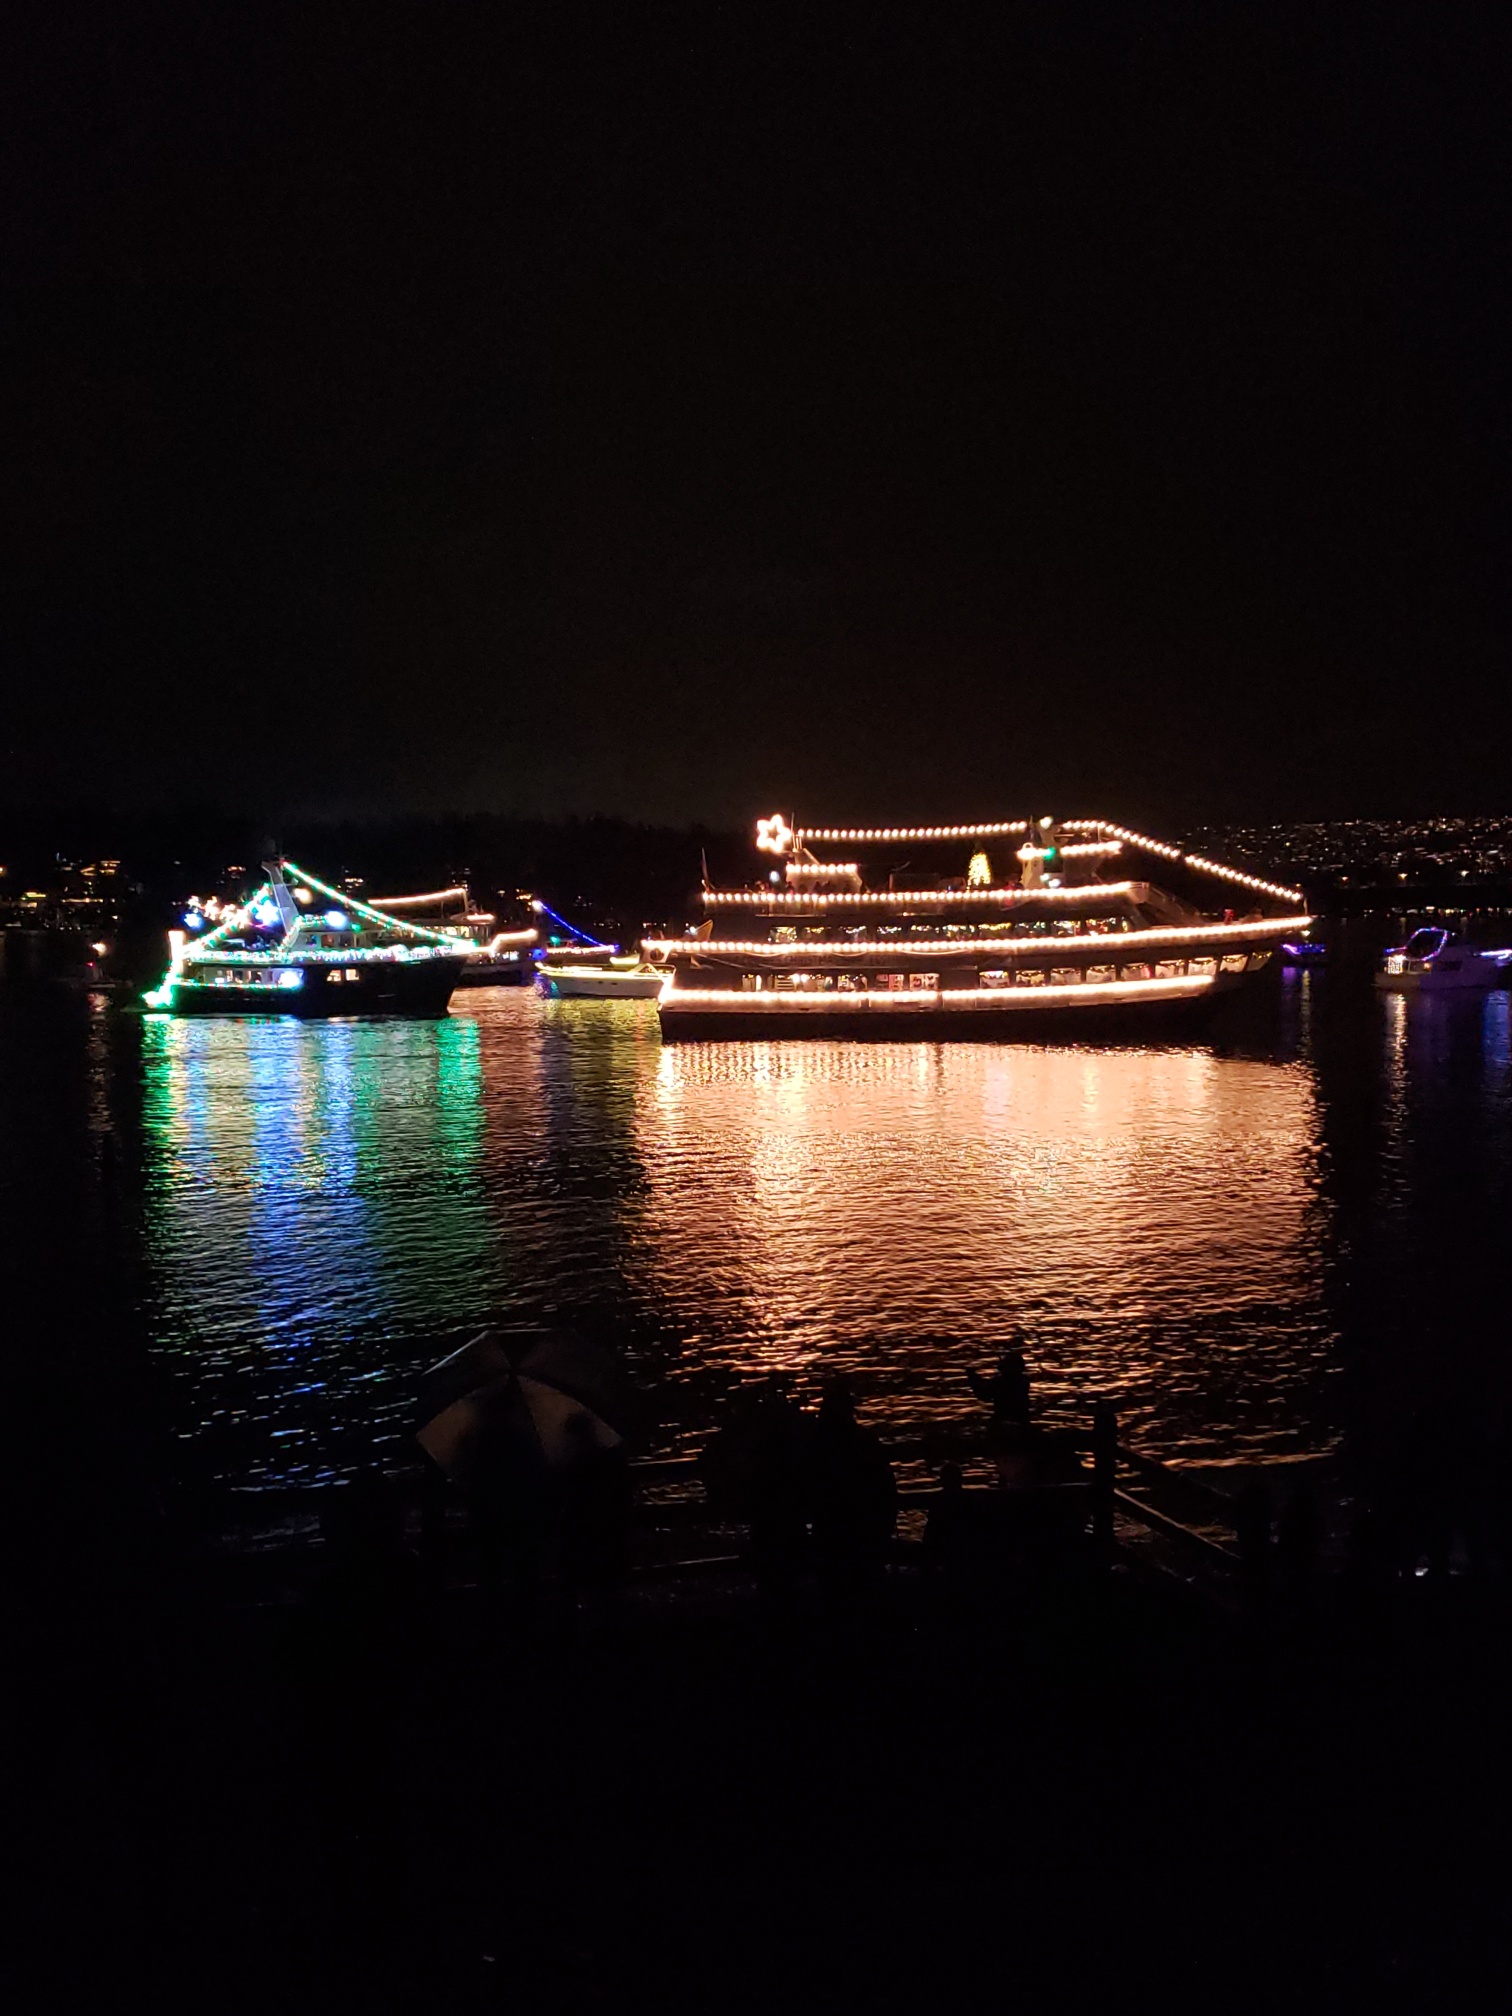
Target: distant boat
(1303, 952)
(1434, 961)
(498, 958)
(298, 946)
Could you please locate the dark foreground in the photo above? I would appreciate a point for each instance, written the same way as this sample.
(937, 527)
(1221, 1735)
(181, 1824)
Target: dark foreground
(1077, 1786)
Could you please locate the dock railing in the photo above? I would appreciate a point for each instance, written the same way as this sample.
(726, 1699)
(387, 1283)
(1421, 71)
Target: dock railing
(1124, 1484)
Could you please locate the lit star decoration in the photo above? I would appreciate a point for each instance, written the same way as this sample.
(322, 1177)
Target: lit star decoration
(774, 835)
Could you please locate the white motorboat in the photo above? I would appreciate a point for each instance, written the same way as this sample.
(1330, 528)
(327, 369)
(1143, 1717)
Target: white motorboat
(599, 976)
(1433, 961)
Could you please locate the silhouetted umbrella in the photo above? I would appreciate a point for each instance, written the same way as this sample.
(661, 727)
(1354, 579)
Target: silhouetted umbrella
(522, 1402)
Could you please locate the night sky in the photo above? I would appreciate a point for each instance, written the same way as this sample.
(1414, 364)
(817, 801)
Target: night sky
(688, 412)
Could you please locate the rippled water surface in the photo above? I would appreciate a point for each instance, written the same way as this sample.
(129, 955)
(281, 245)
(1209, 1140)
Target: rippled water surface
(305, 1211)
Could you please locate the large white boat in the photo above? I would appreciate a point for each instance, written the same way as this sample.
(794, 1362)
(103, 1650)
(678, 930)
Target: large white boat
(1082, 927)
(1434, 961)
(600, 974)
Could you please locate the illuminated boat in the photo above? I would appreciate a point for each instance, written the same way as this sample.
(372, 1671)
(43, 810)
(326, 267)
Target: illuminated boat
(497, 959)
(600, 975)
(574, 966)
(1097, 929)
(299, 947)
(1434, 962)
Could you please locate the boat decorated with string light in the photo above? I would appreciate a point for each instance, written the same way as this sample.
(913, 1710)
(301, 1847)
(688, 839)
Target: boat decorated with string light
(499, 957)
(1434, 961)
(575, 966)
(603, 976)
(913, 931)
(298, 946)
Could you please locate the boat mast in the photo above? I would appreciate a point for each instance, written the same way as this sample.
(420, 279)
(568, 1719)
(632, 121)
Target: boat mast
(283, 896)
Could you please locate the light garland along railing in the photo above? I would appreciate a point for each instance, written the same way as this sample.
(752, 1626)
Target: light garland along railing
(1077, 850)
(1199, 862)
(1085, 993)
(1235, 875)
(1110, 941)
(1140, 840)
(376, 917)
(1145, 841)
(330, 955)
(896, 898)
(816, 871)
(844, 833)
(417, 902)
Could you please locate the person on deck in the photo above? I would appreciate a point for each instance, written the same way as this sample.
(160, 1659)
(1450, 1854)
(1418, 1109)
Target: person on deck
(853, 1493)
(1006, 1391)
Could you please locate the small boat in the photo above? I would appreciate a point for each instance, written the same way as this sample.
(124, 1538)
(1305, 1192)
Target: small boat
(1434, 961)
(497, 959)
(599, 975)
(297, 946)
(1303, 952)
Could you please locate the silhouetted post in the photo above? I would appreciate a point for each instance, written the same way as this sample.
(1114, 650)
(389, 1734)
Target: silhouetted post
(1252, 1530)
(1104, 1473)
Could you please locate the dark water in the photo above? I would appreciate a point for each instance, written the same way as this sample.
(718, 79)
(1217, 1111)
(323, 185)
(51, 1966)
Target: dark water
(1262, 1245)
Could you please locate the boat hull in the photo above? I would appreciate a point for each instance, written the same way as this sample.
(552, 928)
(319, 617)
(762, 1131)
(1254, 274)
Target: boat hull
(421, 988)
(945, 1017)
(1479, 982)
(483, 972)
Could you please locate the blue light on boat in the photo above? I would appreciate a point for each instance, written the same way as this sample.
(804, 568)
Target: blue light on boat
(337, 919)
(195, 919)
(290, 977)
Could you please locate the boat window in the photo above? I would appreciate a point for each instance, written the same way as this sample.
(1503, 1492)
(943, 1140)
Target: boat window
(1426, 942)
(1169, 969)
(923, 983)
(1235, 962)
(1134, 973)
(1099, 976)
(892, 982)
(1065, 976)
(1030, 976)
(994, 979)
(1257, 960)
(1202, 968)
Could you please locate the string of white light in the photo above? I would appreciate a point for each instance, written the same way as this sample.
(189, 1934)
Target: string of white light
(416, 902)
(899, 898)
(1200, 862)
(1084, 993)
(871, 948)
(842, 833)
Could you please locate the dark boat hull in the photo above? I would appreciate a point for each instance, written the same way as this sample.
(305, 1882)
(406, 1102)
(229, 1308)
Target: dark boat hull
(421, 988)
